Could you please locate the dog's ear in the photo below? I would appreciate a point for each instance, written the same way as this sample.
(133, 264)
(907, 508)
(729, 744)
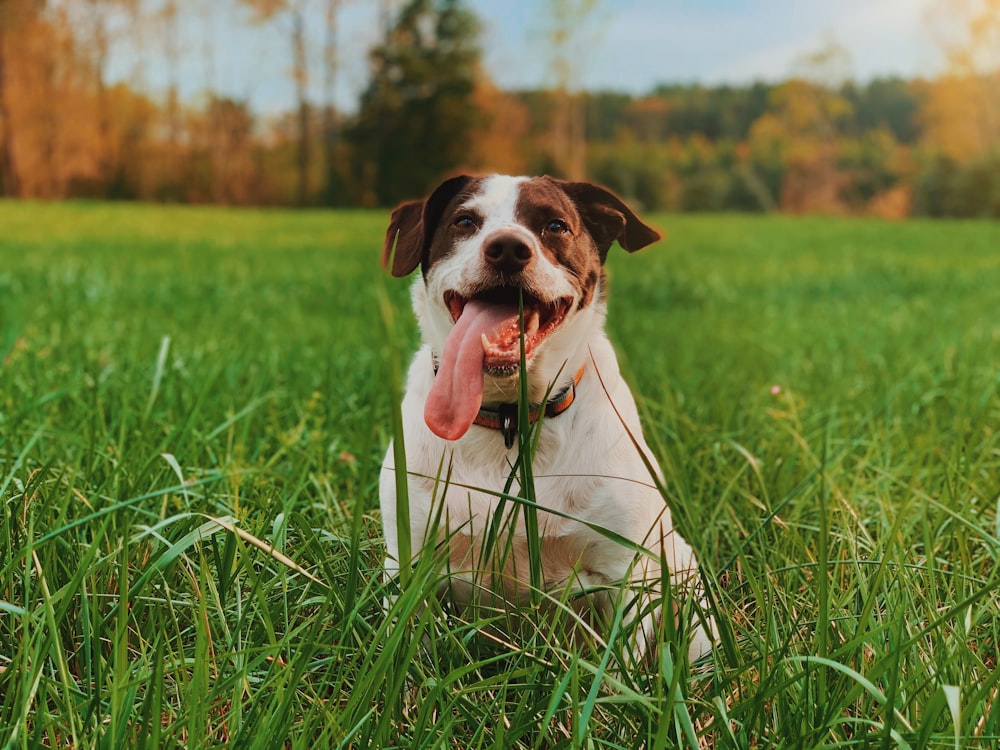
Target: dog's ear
(412, 226)
(405, 232)
(608, 218)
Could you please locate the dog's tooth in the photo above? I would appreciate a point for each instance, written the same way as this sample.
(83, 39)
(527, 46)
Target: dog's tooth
(531, 324)
(486, 343)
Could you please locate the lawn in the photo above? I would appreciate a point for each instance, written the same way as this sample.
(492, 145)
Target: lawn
(194, 403)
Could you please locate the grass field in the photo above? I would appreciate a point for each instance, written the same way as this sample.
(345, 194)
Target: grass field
(194, 404)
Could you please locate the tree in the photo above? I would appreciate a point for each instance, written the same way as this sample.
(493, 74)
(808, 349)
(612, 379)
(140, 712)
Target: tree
(232, 126)
(13, 14)
(9, 182)
(567, 19)
(47, 135)
(415, 121)
(886, 103)
(502, 132)
(99, 46)
(802, 129)
(961, 112)
(330, 116)
(295, 11)
(170, 34)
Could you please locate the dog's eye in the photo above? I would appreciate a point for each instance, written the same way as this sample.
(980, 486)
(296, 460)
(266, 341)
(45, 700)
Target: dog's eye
(465, 222)
(557, 226)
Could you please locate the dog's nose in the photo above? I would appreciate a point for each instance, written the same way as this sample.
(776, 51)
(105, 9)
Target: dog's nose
(507, 253)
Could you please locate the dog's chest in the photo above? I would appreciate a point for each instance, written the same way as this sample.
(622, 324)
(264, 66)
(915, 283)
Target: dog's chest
(478, 478)
(585, 468)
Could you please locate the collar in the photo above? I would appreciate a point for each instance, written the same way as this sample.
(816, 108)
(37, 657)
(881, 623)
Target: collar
(504, 416)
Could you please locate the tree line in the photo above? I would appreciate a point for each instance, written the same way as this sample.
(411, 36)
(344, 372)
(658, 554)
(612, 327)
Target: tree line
(815, 143)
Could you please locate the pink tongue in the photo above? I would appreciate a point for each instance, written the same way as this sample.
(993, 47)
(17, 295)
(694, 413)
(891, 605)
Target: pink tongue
(457, 392)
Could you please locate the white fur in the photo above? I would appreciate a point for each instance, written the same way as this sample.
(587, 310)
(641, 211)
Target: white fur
(464, 269)
(587, 466)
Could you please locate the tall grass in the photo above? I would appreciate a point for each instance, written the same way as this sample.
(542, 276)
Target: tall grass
(194, 404)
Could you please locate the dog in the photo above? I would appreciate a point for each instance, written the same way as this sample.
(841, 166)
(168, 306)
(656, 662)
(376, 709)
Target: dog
(484, 246)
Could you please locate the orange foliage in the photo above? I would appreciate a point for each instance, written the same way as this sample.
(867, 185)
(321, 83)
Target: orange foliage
(801, 132)
(64, 131)
(961, 111)
(961, 115)
(893, 204)
(499, 143)
(808, 109)
(51, 112)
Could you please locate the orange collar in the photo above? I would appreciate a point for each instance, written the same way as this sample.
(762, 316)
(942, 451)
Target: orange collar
(504, 416)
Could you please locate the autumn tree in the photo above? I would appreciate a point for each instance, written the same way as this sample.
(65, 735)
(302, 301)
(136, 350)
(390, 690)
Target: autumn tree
(294, 14)
(564, 39)
(415, 121)
(99, 45)
(331, 122)
(13, 15)
(502, 133)
(47, 141)
(9, 183)
(232, 142)
(800, 130)
(168, 21)
(961, 112)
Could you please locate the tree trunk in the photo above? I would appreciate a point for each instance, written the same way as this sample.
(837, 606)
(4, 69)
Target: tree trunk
(172, 52)
(105, 164)
(569, 119)
(9, 178)
(330, 112)
(301, 80)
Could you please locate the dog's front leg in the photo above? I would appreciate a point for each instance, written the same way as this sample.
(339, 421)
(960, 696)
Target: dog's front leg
(646, 602)
(387, 504)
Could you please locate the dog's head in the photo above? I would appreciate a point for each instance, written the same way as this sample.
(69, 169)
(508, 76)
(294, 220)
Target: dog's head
(483, 243)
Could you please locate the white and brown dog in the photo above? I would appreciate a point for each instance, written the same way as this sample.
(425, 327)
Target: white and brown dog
(481, 243)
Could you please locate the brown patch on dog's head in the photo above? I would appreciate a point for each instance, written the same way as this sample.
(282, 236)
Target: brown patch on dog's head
(413, 224)
(577, 223)
(608, 218)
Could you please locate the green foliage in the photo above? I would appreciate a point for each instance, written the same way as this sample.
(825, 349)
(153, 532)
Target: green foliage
(415, 122)
(728, 112)
(716, 112)
(947, 188)
(890, 104)
(194, 404)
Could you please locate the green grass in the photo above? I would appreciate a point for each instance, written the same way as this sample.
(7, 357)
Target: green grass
(194, 404)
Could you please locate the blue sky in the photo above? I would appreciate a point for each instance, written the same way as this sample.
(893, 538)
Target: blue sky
(639, 43)
(628, 45)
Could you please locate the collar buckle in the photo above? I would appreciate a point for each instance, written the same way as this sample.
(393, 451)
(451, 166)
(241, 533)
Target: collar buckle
(508, 423)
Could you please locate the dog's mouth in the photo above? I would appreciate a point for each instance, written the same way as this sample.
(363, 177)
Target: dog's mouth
(485, 340)
(499, 323)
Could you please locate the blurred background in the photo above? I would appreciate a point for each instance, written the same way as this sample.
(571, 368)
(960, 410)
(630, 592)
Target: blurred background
(873, 107)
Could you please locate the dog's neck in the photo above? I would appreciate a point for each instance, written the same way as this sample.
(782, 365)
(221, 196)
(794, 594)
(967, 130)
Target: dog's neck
(505, 416)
